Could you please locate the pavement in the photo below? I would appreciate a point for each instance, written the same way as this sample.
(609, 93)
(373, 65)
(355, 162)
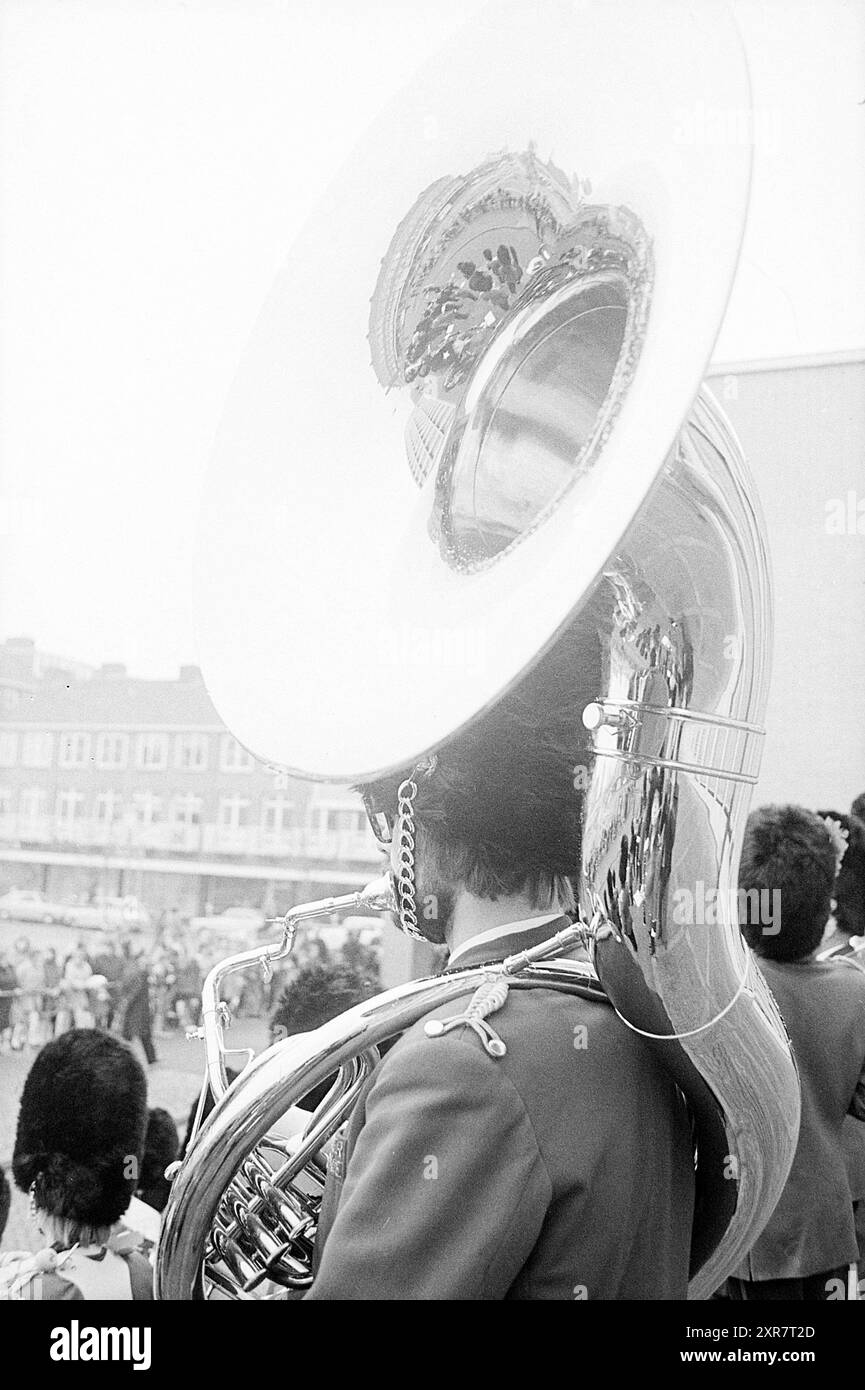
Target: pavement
(173, 1082)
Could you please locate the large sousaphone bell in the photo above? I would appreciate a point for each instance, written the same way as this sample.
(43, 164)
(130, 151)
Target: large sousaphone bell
(469, 424)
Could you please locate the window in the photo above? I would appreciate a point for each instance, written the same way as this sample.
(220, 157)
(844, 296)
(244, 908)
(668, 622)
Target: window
(186, 810)
(112, 750)
(233, 812)
(190, 752)
(153, 752)
(277, 814)
(74, 750)
(8, 749)
(70, 807)
(344, 820)
(33, 804)
(37, 749)
(233, 756)
(148, 808)
(109, 807)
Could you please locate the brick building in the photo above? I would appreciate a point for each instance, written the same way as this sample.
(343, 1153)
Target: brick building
(112, 785)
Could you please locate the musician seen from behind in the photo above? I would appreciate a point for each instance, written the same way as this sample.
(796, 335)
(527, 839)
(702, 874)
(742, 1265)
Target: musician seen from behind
(78, 1150)
(538, 1152)
(845, 939)
(807, 1249)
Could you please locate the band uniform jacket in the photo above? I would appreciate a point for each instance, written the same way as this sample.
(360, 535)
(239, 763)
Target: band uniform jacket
(812, 1228)
(561, 1170)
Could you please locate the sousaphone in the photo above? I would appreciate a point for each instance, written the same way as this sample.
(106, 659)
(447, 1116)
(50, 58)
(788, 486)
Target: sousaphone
(470, 423)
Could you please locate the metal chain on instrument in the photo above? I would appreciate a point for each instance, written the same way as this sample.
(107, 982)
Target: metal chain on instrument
(404, 877)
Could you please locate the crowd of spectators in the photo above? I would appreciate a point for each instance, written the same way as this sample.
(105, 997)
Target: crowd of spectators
(141, 989)
(119, 985)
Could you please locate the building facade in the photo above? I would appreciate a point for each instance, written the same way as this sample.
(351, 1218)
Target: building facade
(23, 666)
(112, 785)
(801, 422)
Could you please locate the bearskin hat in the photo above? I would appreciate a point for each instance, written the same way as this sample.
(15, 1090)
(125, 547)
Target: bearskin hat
(81, 1128)
(509, 787)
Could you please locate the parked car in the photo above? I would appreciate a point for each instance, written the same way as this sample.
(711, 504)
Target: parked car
(118, 913)
(238, 926)
(28, 905)
(368, 931)
(230, 919)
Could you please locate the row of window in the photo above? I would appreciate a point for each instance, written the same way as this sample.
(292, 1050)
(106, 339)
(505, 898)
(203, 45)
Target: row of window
(275, 814)
(151, 751)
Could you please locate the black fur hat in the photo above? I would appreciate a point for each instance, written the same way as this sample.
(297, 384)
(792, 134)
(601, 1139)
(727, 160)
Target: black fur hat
(161, 1145)
(81, 1128)
(509, 786)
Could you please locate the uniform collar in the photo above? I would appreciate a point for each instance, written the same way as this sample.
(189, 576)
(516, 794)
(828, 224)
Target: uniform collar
(499, 942)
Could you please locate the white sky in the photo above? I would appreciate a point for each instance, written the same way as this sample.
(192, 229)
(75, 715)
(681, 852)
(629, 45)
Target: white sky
(157, 158)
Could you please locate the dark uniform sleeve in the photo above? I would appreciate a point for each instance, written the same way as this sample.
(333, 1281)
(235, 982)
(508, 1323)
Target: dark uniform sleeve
(446, 1190)
(857, 1102)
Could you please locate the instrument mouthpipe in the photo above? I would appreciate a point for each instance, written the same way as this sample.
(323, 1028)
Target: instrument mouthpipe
(557, 945)
(378, 896)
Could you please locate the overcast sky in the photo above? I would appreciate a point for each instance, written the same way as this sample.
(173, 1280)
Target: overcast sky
(157, 158)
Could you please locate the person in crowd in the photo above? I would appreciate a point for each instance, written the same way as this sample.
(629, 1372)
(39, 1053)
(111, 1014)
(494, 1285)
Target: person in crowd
(78, 1150)
(252, 999)
(77, 974)
(187, 990)
(135, 1000)
(53, 976)
(162, 970)
(312, 950)
(161, 1148)
(27, 1029)
(363, 959)
(847, 927)
(809, 1244)
(233, 991)
(109, 963)
(8, 986)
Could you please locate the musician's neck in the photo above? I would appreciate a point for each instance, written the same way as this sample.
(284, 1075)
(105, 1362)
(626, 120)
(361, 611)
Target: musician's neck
(472, 915)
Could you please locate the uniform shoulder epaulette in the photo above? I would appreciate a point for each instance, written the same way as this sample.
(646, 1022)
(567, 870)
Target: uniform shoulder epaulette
(487, 999)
